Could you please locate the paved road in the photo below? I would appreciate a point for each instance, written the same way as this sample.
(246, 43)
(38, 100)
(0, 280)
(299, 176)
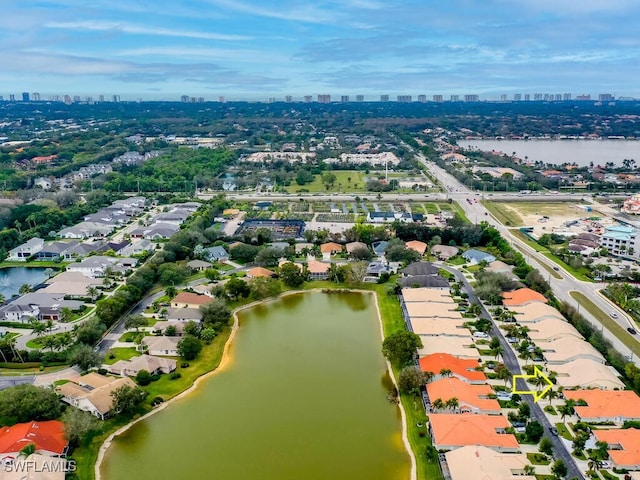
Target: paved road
(511, 362)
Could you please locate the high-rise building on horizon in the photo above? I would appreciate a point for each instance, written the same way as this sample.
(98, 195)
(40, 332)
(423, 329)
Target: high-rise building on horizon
(25, 96)
(438, 98)
(422, 98)
(537, 96)
(324, 98)
(67, 100)
(517, 97)
(359, 98)
(384, 98)
(184, 98)
(527, 97)
(344, 99)
(454, 98)
(12, 97)
(504, 97)
(471, 98)
(566, 96)
(605, 97)
(116, 98)
(308, 98)
(101, 98)
(288, 98)
(404, 98)
(35, 96)
(583, 97)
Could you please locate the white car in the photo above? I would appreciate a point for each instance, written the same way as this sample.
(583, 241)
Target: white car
(613, 315)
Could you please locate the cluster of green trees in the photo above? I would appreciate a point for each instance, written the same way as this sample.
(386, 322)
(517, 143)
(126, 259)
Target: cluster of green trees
(179, 170)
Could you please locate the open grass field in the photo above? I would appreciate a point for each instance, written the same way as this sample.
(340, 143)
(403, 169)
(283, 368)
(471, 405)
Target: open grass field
(356, 185)
(505, 215)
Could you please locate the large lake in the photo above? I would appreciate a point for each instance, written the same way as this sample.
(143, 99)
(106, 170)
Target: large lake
(304, 397)
(12, 278)
(581, 152)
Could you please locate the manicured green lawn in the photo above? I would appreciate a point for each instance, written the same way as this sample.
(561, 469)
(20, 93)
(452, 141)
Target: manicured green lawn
(120, 354)
(564, 432)
(538, 459)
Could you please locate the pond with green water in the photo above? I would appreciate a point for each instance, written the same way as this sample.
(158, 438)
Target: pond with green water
(302, 395)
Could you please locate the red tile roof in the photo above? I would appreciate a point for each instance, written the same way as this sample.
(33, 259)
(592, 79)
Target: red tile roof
(522, 296)
(191, 298)
(460, 367)
(47, 436)
(330, 247)
(606, 404)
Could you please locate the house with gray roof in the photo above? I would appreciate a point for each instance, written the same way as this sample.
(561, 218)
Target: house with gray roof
(216, 254)
(198, 265)
(184, 315)
(426, 281)
(54, 250)
(41, 306)
(158, 231)
(85, 230)
(137, 248)
(474, 256)
(419, 268)
(379, 248)
(24, 251)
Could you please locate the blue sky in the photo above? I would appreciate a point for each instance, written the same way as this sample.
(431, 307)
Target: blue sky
(250, 49)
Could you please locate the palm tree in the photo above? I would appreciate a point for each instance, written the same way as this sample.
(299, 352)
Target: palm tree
(428, 376)
(25, 288)
(445, 373)
(171, 291)
(27, 450)
(437, 404)
(594, 464)
(529, 470)
(474, 309)
(39, 328)
(497, 351)
(551, 394)
(567, 409)
(503, 373)
(2, 299)
(92, 292)
(452, 403)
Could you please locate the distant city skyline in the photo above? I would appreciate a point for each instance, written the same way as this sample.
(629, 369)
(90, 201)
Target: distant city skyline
(252, 50)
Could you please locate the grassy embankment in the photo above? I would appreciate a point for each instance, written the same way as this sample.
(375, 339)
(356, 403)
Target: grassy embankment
(610, 324)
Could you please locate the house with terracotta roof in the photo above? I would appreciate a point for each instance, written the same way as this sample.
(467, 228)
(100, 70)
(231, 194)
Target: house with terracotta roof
(48, 438)
(478, 462)
(189, 300)
(586, 373)
(330, 248)
(467, 370)
(450, 431)
(318, 270)
(92, 394)
(522, 296)
(617, 406)
(260, 272)
(566, 349)
(624, 447)
(417, 246)
(471, 398)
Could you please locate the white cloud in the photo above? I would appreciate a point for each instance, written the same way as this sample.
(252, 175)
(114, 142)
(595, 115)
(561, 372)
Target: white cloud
(101, 26)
